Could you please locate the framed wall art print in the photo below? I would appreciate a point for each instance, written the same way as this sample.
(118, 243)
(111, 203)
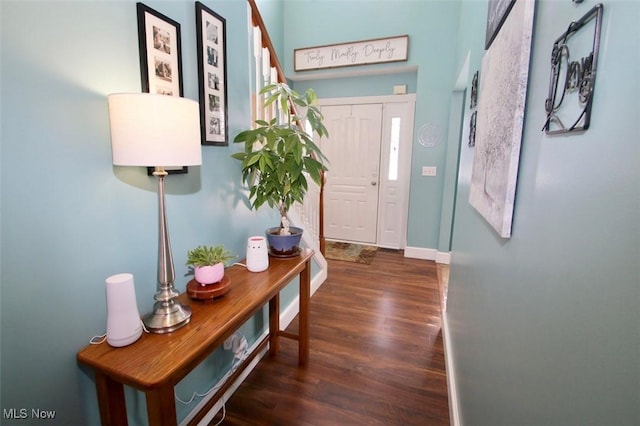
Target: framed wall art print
(160, 52)
(503, 89)
(212, 75)
(160, 59)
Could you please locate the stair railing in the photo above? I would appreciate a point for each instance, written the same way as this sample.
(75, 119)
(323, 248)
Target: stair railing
(309, 214)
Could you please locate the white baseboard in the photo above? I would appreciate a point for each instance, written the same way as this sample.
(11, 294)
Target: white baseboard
(427, 254)
(443, 258)
(292, 309)
(286, 317)
(420, 253)
(223, 400)
(454, 410)
(321, 277)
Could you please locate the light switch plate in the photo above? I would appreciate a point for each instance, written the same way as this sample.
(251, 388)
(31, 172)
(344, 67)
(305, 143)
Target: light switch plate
(400, 89)
(429, 170)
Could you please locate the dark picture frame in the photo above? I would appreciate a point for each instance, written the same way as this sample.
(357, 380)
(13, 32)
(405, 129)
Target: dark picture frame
(472, 129)
(496, 15)
(160, 52)
(474, 90)
(211, 38)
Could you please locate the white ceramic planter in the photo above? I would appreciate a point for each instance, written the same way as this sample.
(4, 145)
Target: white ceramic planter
(209, 274)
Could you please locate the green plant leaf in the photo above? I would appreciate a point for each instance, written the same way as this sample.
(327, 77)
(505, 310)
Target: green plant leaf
(208, 255)
(278, 155)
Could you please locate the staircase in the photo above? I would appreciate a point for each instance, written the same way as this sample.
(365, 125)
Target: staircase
(309, 214)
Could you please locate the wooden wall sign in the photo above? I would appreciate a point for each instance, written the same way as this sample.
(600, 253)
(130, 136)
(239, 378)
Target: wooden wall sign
(374, 51)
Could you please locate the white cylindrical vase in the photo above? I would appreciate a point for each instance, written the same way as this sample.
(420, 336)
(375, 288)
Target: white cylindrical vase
(257, 254)
(124, 325)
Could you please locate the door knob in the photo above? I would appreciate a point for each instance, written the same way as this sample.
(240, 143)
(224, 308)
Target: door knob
(374, 183)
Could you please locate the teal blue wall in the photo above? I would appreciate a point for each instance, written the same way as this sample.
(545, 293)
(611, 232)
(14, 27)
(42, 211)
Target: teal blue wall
(70, 218)
(545, 326)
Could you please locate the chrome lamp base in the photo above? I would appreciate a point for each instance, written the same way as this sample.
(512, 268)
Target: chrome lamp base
(167, 317)
(168, 314)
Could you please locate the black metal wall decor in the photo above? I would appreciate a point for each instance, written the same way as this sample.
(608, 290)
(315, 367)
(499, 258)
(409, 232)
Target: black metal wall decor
(573, 78)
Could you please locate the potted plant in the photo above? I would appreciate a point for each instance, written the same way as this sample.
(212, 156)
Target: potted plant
(277, 157)
(208, 263)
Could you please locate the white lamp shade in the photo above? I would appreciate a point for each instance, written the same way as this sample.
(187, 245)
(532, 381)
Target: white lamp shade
(154, 130)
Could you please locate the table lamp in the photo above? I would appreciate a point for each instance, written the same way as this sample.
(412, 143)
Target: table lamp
(157, 131)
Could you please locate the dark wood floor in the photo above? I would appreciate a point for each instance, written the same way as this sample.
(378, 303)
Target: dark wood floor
(376, 354)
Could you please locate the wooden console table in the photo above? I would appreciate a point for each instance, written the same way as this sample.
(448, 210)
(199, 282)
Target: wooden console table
(157, 362)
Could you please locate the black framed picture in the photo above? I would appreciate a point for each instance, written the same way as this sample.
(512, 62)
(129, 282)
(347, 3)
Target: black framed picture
(472, 129)
(160, 58)
(212, 75)
(160, 52)
(496, 15)
(474, 90)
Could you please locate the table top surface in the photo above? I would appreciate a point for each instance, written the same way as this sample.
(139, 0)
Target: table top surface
(157, 359)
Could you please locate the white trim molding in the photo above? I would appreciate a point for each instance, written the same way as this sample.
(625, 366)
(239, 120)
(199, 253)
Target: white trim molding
(428, 254)
(454, 409)
(286, 317)
(443, 257)
(328, 74)
(379, 99)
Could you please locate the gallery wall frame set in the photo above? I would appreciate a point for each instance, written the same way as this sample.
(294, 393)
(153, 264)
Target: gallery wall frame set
(161, 66)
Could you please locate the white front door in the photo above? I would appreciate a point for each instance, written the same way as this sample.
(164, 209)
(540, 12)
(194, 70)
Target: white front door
(351, 191)
(366, 196)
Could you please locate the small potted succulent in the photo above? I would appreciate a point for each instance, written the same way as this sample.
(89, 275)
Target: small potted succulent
(208, 263)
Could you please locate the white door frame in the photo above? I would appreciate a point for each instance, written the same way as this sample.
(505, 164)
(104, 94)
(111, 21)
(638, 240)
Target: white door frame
(405, 158)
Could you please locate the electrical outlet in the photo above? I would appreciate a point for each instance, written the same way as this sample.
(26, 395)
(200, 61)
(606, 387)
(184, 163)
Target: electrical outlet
(429, 170)
(400, 89)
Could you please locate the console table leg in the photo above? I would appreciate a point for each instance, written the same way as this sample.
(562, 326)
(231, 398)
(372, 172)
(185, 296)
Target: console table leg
(111, 402)
(161, 406)
(274, 325)
(305, 298)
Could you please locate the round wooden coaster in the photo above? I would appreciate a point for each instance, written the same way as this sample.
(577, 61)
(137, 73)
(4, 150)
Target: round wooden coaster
(208, 293)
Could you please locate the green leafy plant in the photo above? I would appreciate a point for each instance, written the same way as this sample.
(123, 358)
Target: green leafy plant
(208, 256)
(277, 156)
